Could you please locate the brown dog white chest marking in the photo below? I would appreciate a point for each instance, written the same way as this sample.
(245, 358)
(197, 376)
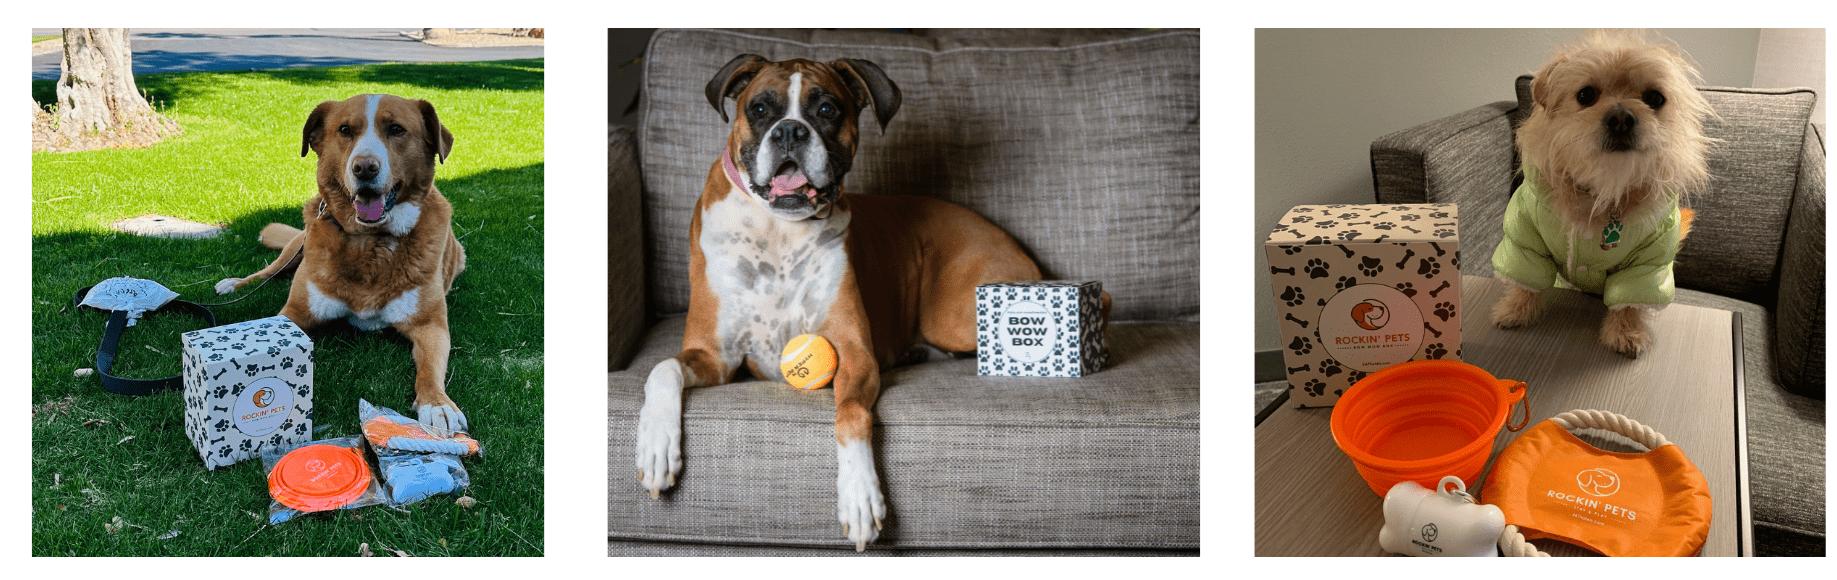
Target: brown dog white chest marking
(779, 251)
(377, 249)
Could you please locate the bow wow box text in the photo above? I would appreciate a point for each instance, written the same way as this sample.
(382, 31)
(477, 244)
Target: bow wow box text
(1048, 328)
(248, 386)
(1360, 288)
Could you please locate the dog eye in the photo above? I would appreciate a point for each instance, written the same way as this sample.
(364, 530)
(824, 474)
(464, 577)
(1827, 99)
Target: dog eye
(758, 108)
(1587, 96)
(1653, 99)
(826, 110)
(396, 130)
(344, 130)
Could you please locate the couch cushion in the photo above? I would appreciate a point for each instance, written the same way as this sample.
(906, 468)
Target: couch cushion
(1110, 460)
(1086, 149)
(1734, 246)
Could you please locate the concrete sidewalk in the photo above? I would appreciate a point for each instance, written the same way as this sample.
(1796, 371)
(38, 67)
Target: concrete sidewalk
(216, 49)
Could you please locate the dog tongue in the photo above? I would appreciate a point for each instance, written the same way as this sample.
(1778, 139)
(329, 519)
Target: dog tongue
(369, 211)
(787, 184)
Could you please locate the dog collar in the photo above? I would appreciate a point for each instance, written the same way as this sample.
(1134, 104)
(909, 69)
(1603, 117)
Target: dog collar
(734, 176)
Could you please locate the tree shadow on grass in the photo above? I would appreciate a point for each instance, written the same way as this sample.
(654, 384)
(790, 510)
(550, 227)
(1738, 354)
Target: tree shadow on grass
(501, 75)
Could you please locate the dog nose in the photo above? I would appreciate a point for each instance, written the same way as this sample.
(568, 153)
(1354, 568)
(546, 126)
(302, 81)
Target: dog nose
(789, 135)
(1620, 121)
(1618, 127)
(365, 167)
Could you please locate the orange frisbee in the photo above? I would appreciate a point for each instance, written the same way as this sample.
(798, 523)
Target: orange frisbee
(319, 477)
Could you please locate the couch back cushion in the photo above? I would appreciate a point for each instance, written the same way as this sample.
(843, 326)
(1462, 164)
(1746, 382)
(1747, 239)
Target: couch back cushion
(1083, 146)
(1734, 245)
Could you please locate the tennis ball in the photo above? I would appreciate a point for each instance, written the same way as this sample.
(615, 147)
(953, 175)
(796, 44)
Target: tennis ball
(808, 362)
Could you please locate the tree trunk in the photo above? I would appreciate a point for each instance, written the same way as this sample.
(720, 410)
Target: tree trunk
(98, 104)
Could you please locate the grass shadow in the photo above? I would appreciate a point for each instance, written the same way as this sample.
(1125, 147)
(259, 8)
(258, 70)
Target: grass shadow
(168, 89)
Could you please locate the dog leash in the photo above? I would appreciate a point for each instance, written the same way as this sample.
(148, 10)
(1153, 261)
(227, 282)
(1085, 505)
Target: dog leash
(118, 322)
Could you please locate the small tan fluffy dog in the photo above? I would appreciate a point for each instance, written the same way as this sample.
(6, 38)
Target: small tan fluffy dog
(1614, 141)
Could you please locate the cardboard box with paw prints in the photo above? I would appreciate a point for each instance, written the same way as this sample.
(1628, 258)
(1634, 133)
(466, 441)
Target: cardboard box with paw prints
(248, 386)
(1362, 287)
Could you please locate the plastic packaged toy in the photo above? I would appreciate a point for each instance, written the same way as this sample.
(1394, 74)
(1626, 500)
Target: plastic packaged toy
(316, 476)
(389, 430)
(415, 461)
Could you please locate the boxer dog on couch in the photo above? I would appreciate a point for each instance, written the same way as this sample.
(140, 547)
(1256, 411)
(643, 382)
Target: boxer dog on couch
(778, 251)
(377, 248)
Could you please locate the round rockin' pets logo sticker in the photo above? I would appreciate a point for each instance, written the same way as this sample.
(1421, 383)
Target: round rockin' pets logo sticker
(263, 406)
(1371, 326)
(1028, 331)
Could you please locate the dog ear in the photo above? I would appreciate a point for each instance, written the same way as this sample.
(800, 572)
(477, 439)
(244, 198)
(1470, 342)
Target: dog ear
(315, 127)
(731, 79)
(1540, 83)
(871, 87)
(438, 138)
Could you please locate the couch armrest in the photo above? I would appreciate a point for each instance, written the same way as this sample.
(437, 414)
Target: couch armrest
(625, 247)
(1798, 339)
(1465, 159)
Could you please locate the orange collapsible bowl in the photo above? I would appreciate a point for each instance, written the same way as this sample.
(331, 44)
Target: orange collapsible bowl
(319, 477)
(1423, 420)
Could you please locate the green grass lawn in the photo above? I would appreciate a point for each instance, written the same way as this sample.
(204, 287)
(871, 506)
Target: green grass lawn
(98, 456)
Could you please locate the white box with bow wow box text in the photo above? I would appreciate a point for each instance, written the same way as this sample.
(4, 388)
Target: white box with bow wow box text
(248, 386)
(1360, 288)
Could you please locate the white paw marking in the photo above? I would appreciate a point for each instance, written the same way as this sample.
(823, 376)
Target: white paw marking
(228, 285)
(659, 447)
(859, 504)
(443, 416)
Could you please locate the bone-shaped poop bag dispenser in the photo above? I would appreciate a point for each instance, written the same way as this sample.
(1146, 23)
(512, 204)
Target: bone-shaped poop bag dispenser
(1439, 522)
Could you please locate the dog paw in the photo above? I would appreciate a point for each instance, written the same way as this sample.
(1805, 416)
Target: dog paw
(1516, 309)
(1625, 331)
(443, 414)
(228, 285)
(859, 505)
(659, 445)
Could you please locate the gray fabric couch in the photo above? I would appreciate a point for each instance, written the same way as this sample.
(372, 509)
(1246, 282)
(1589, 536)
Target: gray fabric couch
(1757, 247)
(1084, 146)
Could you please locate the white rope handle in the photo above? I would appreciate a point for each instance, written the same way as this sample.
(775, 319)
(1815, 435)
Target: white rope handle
(1512, 543)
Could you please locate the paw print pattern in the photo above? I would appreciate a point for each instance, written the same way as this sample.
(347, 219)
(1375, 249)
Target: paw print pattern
(1301, 345)
(1444, 310)
(1345, 282)
(1349, 235)
(1301, 219)
(1371, 266)
(1353, 377)
(1409, 217)
(1293, 296)
(1386, 226)
(1330, 367)
(1444, 233)
(1407, 289)
(1291, 250)
(1435, 351)
(1316, 268)
(1428, 267)
(1314, 387)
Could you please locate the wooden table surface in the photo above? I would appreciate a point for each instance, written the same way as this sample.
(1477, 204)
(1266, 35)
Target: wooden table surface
(1311, 502)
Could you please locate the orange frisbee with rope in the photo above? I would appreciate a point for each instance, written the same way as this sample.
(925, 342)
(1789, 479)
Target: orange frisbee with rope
(319, 477)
